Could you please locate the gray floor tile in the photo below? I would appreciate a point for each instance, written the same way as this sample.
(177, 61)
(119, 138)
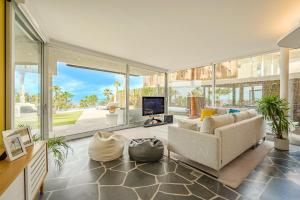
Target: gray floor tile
(112, 178)
(117, 193)
(146, 193)
(174, 189)
(86, 192)
(137, 178)
(281, 189)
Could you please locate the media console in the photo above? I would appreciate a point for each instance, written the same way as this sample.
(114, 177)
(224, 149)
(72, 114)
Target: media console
(158, 122)
(154, 106)
(153, 122)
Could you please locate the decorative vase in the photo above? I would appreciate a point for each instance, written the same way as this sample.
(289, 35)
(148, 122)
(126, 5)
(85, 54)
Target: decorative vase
(193, 107)
(281, 144)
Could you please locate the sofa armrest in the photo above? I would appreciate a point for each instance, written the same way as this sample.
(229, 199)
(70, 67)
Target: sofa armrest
(237, 138)
(196, 146)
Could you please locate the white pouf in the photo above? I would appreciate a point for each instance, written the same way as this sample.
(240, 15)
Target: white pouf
(106, 146)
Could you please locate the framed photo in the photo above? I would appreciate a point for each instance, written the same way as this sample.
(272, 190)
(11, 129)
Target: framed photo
(25, 134)
(14, 146)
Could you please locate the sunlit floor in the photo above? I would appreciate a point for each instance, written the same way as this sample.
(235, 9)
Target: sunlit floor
(276, 178)
(90, 120)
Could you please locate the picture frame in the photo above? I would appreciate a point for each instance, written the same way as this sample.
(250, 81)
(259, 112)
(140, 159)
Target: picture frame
(14, 146)
(25, 134)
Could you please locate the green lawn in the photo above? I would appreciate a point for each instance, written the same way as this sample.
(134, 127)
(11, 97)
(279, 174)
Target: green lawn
(60, 119)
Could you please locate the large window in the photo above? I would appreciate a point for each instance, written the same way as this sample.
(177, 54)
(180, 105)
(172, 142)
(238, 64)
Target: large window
(88, 93)
(190, 90)
(240, 83)
(27, 77)
(143, 82)
(294, 85)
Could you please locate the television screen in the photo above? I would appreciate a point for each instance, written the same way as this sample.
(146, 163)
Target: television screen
(153, 105)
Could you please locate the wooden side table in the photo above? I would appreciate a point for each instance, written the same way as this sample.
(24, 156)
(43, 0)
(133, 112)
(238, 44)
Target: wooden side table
(23, 179)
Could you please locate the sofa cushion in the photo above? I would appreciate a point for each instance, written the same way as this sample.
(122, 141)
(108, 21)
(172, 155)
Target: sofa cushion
(188, 125)
(211, 123)
(240, 116)
(207, 112)
(252, 113)
(221, 111)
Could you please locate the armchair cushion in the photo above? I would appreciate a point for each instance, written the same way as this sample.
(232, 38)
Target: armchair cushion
(211, 123)
(252, 113)
(188, 125)
(240, 116)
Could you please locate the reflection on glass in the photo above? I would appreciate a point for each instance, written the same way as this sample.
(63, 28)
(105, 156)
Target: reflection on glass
(190, 90)
(240, 83)
(27, 74)
(86, 99)
(142, 82)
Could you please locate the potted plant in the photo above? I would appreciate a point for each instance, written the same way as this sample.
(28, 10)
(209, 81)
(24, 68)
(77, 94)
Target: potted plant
(275, 110)
(112, 107)
(57, 147)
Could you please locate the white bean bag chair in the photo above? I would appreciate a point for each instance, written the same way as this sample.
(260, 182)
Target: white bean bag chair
(106, 146)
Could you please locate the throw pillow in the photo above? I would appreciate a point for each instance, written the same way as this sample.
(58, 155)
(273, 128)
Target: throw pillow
(211, 123)
(252, 113)
(234, 110)
(188, 125)
(240, 116)
(207, 112)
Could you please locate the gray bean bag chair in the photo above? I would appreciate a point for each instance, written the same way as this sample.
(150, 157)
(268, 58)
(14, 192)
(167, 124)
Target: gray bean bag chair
(146, 150)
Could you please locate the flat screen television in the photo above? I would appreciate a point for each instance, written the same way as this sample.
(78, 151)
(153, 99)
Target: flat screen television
(153, 105)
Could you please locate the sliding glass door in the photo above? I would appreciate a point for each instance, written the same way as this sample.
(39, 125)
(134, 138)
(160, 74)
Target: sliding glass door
(142, 82)
(189, 91)
(87, 93)
(78, 92)
(27, 67)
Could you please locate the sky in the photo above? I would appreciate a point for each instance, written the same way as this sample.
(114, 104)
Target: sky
(80, 82)
(83, 82)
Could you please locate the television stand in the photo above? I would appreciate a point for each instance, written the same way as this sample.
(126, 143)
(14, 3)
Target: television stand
(153, 122)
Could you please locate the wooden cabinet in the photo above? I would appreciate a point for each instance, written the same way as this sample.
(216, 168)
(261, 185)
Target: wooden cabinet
(16, 190)
(23, 178)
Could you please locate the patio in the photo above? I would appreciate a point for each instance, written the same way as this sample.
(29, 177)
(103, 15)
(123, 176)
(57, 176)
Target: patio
(90, 119)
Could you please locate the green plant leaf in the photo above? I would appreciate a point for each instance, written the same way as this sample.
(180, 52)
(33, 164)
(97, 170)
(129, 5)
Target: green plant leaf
(275, 110)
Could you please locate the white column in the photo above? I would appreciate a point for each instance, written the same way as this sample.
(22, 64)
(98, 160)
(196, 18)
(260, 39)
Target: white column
(213, 84)
(284, 73)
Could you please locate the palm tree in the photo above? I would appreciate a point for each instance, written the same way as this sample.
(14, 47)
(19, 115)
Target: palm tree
(56, 91)
(66, 99)
(107, 93)
(117, 85)
(135, 96)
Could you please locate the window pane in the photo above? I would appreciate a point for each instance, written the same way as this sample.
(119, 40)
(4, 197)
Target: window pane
(27, 79)
(189, 91)
(294, 84)
(142, 82)
(240, 83)
(88, 93)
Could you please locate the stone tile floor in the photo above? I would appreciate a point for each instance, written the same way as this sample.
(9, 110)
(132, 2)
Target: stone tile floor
(277, 177)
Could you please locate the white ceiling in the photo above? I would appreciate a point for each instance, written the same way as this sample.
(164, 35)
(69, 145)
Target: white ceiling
(170, 34)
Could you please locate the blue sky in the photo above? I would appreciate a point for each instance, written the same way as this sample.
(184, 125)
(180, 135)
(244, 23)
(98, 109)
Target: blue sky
(84, 82)
(31, 82)
(80, 82)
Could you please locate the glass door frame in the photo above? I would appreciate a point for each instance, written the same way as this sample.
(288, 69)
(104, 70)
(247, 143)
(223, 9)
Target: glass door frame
(13, 10)
(47, 96)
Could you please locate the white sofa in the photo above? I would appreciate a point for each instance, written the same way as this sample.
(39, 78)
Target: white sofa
(220, 139)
